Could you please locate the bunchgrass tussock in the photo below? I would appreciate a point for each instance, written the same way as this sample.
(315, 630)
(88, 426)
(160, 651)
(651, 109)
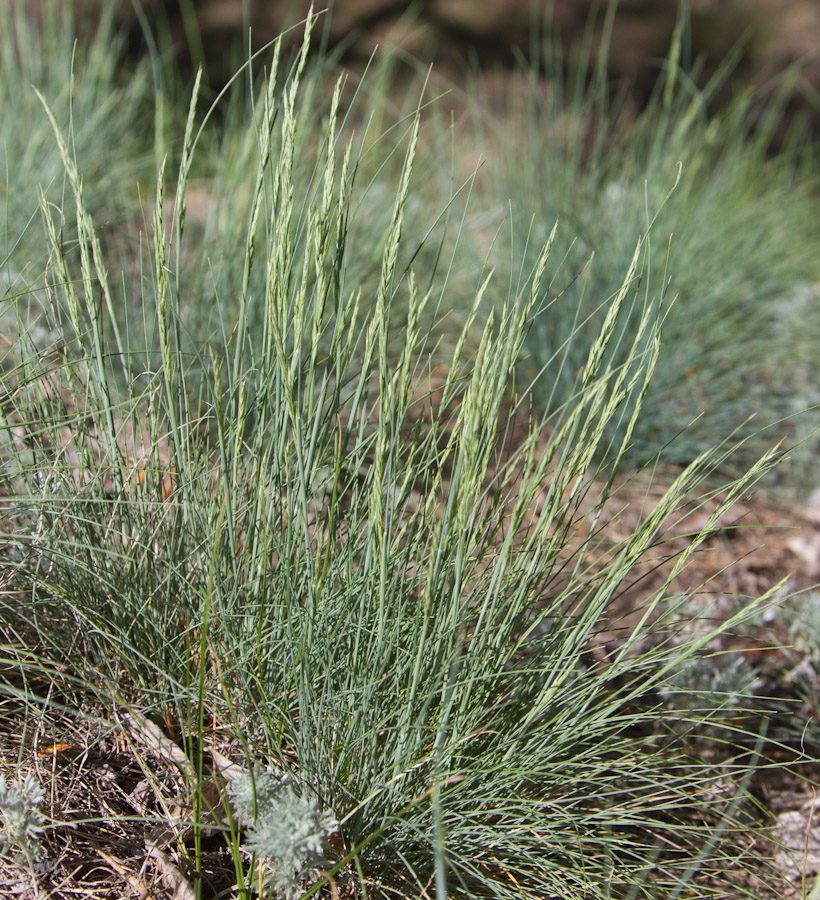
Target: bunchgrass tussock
(21, 821)
(288, 515)
(729, 257)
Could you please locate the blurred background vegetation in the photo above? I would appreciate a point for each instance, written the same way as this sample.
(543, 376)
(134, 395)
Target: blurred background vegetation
(767, 36)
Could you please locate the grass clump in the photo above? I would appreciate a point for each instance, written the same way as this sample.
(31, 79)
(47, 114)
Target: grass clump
(300, 536)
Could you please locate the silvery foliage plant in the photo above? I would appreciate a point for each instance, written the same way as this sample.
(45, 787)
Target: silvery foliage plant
(21, 821)
(287, 830)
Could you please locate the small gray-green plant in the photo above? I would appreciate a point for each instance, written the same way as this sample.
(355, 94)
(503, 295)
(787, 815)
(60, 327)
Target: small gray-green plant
(287, 832)
(21, 819)
(802, 617)
(720, 682)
